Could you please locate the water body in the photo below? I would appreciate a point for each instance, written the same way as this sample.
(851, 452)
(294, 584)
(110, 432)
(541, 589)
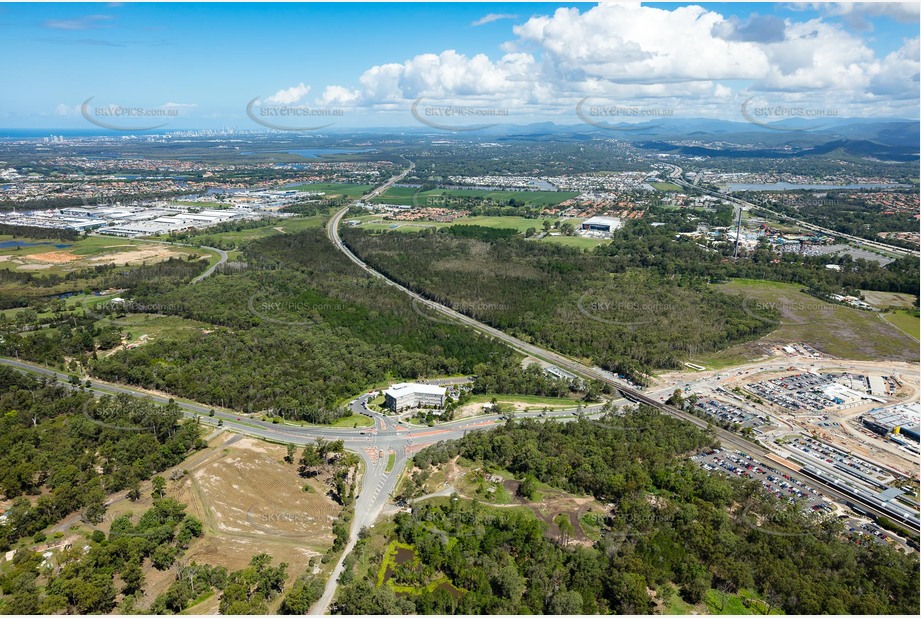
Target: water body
(10, 134)
(136, 176)
(13, 244)
(314, 153)
(786, 186)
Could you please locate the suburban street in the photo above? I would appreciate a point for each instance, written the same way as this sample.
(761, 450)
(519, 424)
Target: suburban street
(654, 399)
(390, 436)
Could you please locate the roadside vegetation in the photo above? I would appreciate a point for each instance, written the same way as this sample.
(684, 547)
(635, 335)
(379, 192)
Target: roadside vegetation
(62, 452)
(640, 303)
(672, 536)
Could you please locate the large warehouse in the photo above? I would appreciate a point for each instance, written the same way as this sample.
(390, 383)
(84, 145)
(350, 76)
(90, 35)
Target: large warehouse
(602, 224)
(900, 419)
(409, 395)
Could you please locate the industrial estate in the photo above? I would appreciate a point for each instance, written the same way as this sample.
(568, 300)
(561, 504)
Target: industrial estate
(622, 321)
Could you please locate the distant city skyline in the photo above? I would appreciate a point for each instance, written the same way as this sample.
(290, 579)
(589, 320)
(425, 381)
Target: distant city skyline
(127, 66)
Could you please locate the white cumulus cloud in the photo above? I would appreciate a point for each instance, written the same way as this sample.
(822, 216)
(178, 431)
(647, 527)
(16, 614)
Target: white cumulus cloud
(288, 96)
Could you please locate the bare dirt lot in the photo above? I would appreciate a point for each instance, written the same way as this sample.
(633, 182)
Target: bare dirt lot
(55, 257)
(155, 253)
(120, 255)
(250, 501)
(888, 299)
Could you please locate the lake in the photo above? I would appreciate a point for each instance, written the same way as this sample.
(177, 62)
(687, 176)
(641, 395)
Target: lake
(316, 153)
(13, 244)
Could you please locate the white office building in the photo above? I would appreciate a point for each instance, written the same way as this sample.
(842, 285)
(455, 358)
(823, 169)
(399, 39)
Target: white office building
(409, 395)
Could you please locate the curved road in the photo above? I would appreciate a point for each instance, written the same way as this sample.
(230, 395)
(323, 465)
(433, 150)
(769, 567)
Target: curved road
(632, 394)
(214, 266)
(211, 269)
(389, 436)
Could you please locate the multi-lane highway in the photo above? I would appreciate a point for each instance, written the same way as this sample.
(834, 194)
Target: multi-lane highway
(726, 437)
(388, 436)
(675, 176)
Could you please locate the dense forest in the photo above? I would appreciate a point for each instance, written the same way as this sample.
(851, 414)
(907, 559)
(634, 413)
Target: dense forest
(566, 299)
(670, 528)
(293, 334)
(61, 451)
(23, 288)
(297, 332)
(642, 302)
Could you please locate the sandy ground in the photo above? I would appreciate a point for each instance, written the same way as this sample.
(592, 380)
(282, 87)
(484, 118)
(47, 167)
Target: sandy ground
(249, 500)
(54, 257)
(42, 261)
(156, 253)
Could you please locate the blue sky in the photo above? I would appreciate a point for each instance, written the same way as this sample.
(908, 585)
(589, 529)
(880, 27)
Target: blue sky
(371, 61)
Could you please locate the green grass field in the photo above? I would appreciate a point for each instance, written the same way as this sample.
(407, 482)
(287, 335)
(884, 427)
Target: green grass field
(356, 420)
(334, 189)
(833, 329)
(905, 321)
(735, 604)
(665, 186)
(391, 461)
(90, 246)
(532, 401)
(455, 198)
(84, 301)
(154, 326)
(521, 224)
(289, 226)
(578, 242)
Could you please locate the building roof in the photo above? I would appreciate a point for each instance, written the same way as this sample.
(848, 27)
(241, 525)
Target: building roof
(612, 221)
(405, 388)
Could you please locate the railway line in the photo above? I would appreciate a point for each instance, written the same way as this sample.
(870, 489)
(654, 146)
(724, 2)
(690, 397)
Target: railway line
(675, 177)
(584, 371)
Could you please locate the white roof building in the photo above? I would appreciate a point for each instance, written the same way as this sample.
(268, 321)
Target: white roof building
(411, 395)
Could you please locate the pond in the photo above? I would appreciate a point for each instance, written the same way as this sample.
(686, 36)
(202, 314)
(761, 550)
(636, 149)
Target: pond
(14, 244)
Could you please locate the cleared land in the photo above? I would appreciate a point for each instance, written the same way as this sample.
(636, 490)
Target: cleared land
(249, 500)
(832, 329)
(140, 328)
(578, 242)
(883, 300)
(521, 224)
(62, 257)
(288, 226)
